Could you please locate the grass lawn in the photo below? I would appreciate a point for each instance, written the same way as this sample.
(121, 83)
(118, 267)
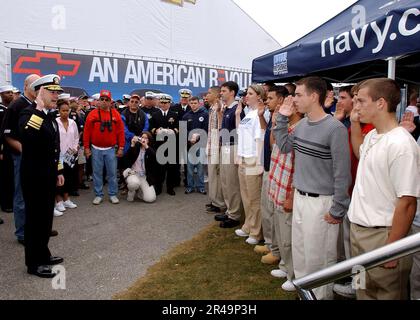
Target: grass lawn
(215, 265)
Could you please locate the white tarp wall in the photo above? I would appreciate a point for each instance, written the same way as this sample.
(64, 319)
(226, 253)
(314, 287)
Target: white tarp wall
(212, 32)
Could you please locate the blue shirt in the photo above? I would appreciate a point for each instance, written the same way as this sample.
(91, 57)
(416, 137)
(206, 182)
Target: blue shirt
(267, 147)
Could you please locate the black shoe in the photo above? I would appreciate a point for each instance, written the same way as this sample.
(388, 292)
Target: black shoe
(171, 192)
(54, 261)
(21, 241)
(221, 217)
(1, 221)
(43, 271)
(209, 205)
(54, 233)
(74, 194)
(213, 209)
(229, 223)
(8, 210)
(84, 186)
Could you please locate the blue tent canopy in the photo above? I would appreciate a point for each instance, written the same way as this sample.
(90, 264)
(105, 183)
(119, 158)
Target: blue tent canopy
(352, 46)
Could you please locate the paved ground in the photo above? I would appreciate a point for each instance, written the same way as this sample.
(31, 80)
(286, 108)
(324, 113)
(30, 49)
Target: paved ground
(106, 248)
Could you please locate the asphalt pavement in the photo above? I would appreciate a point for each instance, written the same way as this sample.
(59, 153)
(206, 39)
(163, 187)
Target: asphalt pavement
(106, 248)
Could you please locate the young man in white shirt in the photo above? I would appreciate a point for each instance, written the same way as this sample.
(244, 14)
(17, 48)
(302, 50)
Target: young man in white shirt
(384, 197)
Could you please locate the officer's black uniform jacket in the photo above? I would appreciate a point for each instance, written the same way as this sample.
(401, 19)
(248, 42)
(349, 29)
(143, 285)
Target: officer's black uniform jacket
(40, 139)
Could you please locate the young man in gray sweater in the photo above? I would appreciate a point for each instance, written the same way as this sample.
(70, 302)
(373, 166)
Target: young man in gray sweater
(321, 179)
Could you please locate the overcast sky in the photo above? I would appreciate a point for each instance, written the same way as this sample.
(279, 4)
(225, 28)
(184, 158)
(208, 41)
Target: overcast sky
(290, 20)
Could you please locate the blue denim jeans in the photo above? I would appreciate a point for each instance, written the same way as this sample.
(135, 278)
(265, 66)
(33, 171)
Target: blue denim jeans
(199, 182)
(107, 158)
(18, 202)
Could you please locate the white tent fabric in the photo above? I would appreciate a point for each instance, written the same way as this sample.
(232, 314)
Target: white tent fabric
(212, 32)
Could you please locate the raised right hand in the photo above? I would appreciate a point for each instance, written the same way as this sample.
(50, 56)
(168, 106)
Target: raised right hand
(287, 108)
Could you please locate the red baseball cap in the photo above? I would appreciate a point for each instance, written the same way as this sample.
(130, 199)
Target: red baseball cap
(105, 93)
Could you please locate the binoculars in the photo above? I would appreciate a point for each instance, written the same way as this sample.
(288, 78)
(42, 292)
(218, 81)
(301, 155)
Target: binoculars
(107, 124)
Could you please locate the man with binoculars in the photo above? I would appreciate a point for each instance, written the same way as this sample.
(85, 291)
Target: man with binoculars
(104, 130)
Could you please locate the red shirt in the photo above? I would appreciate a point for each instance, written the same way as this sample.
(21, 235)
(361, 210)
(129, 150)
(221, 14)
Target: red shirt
(93, 135)
(366, 128)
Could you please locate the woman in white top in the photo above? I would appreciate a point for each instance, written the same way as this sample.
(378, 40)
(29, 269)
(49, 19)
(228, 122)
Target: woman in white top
(69, 145)
(250, 143)
(142, 172)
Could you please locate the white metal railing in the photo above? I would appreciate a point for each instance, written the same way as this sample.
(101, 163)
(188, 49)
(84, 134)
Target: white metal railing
(353, 266)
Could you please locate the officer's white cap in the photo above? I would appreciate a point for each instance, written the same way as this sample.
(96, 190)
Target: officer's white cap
(150, 94)
(96, 96)
(50, 82)
(6, 88)
(185, 93)
(163, 97)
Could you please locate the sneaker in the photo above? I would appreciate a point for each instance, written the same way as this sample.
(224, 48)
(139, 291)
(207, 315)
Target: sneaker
(278, 273)
(97, 200)
(240, 233)
(69, 204)
(202, 191)
(262, 249)
(206, 179)
(288, 286)
(57, 213)
(188, 191)
(114, 199)
(60, 206)
(345, 290)
(252, 241)
(131, 195)
(269, 258)
(282, 263)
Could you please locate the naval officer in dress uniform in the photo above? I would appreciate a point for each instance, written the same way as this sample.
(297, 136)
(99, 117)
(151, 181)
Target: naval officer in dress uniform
(165, 121)
(40, 174)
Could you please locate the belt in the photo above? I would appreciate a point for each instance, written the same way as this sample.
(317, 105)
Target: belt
(312, 195)
(377, 227)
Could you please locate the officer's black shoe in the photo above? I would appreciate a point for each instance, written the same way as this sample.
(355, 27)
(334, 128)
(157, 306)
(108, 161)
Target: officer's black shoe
(54, 260)
(213, 209)
(8, 210)
(229, 223)
(21, 241)
(1, 221)
(54, 233)
(221, 217)
(42, 271)
(209, 205)
(171, 192)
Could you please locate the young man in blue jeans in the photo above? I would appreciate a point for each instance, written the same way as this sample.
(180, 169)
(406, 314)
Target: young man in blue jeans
(104, 129)
(197, 119)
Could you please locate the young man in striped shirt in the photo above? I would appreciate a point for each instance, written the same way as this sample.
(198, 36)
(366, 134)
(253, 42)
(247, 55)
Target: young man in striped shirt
(321, 178)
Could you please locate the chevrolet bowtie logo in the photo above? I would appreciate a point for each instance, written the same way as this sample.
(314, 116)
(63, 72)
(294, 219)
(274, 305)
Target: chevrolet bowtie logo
(180, 2)
(27, 65)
